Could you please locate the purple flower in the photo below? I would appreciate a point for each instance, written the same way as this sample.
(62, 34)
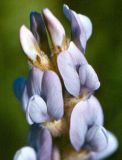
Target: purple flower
(79, 77)
(77, 74)
(87, 118)
(109, 150)
(41, 96)
(81, 27)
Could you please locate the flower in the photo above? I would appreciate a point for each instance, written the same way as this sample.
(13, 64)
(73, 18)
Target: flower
(42, 147)
(41, 96)
(57, 97)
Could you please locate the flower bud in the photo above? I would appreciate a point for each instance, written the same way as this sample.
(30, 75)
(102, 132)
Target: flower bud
(55, 28)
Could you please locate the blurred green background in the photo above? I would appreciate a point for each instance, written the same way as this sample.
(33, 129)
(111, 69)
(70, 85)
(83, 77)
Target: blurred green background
(104, 52)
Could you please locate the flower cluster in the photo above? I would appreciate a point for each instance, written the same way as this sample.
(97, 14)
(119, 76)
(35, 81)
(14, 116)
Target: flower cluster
(57, 97)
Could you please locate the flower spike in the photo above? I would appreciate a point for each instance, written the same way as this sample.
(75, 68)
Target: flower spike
(57, 97)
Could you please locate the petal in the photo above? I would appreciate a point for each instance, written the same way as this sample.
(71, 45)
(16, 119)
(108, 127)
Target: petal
(95, 111)
(25, 153)
(36, 110)
(56, 154)
(86, 22)
(55, 28)
(29, 43)
(77, 56)
(84, 115)
(45, 148)
(18, 87)
(88, 77)
(78, 31)
(53, 93)
(110, 149)
(68, 73)
(34, 83)
(39, 31)
(96, 138)
(34, 136)
(78, 125)
(25, 98)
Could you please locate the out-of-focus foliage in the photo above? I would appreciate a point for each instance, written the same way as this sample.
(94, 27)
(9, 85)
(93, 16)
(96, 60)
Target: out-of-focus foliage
(104, 52)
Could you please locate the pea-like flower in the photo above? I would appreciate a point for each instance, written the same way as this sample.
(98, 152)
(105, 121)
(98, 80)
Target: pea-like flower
(41, 96)
(66, 119)
(41, 146)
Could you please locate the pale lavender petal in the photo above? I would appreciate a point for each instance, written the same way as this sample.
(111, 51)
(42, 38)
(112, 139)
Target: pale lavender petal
(77, 56)
(88, 78)
(78, 125)
(36, 110)
(38, 29)
(29, 43)
(55, 28)
(53, 94)
(18, 87)
(25, 153)
(95, 111)
(86, 22)
(25, 98)
(78, 31)
(109, 150)
(69, 73)
(45, 148)
(97, 138)
(56, 154)
(84, 115)
(34, 83)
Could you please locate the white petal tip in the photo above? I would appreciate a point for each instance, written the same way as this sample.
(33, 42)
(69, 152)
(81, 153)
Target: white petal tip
(28, 43)
(25, 153)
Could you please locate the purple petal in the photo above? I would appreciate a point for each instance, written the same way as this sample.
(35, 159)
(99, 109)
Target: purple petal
(88, 78)
(20, 90)
(40, 138)
(25, 153)
(36, 110)
(39, 31)
(109, 150)
(34, 83)
(77, 56)
(96, 138)
(78, 125)
(55, 28)
(18, 87)
(29, 43)
(95, 111)
(45, 148)
(25, 98)
(69, 73)
(85, 114)
(34, 136)
(56, 154)
(78, 31)
(53, 93)
(86, 22)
